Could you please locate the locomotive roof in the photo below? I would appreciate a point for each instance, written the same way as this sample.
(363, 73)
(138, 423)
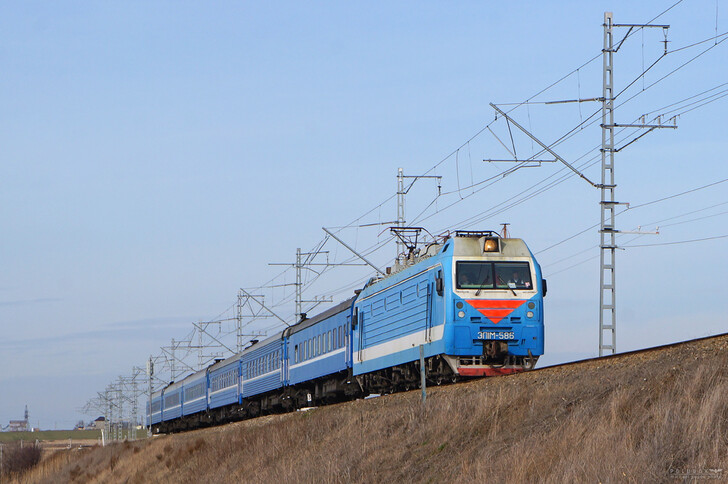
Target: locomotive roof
(463, 244)
(469, 246)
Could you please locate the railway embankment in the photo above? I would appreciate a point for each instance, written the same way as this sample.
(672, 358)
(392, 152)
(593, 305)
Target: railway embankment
(652, 416)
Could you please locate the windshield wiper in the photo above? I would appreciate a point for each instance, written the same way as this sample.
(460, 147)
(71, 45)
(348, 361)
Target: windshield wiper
(480, 288)
(509, 287)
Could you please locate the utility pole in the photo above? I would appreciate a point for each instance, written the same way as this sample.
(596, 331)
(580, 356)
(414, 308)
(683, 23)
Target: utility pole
(306, 263)
(254, 311)
(109, 413)
(300, 265)
(244, 299)
(150, 373)
(239, 323)
(299, 286)
(400, 208)
(401, 193)
(200, 350)
(607, 232)
(135, 417)
(607, 229)
(173, 360)
(172, 365)
(201, 328)
(120, 423)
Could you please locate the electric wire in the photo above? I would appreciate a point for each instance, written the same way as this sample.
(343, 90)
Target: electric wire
(677, 242)
(576, 254)
(694, 219)
(641, 205)
(663, 108)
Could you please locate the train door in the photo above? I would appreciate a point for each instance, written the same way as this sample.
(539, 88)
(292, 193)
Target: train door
(240, 381)
(284, 363)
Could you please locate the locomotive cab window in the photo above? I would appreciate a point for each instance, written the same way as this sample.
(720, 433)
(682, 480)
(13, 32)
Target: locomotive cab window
(474, 275)
(493, 275)
(513, 275)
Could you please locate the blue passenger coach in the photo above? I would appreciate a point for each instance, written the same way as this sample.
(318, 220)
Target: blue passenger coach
(194, 393)
(262, 367)
(223, 380)
(317, 353)
(172, 398)
(156, 410)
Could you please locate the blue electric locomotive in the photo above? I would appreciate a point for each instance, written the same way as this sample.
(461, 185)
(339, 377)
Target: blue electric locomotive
(473, 303)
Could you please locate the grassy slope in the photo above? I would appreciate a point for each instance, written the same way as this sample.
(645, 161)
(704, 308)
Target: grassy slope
(627, 420)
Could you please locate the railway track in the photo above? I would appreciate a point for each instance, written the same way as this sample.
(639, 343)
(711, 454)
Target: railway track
(618, 356)
(538, 374)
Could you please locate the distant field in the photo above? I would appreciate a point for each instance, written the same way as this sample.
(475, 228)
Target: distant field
(48, 435)
(51, 435)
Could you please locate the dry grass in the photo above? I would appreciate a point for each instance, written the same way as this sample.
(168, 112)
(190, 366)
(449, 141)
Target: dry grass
(17, 458)
(641, 418)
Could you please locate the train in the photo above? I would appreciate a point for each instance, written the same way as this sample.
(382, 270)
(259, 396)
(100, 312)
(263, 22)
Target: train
(471, 302)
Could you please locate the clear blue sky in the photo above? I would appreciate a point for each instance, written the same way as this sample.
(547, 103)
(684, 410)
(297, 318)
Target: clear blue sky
(157, 155)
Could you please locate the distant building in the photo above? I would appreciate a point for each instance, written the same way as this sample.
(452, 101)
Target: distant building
(18, 426)
(100, 423)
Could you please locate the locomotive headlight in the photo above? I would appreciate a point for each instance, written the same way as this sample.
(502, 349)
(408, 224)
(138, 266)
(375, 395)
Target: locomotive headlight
(529, 314)
(490, 245)
(461, 314)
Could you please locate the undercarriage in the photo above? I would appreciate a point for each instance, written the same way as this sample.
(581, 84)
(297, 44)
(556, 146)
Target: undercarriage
(342, 386)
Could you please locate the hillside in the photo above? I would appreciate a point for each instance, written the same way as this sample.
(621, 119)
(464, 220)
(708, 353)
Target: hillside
(650, 416)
